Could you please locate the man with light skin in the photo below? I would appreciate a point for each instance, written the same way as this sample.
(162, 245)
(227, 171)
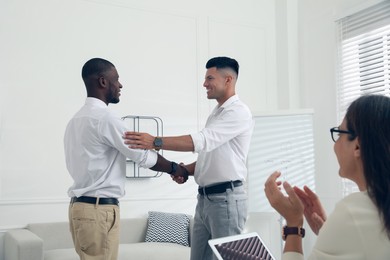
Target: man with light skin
(220, 170)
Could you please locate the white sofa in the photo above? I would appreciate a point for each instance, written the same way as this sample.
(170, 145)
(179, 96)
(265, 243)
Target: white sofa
(52, 241)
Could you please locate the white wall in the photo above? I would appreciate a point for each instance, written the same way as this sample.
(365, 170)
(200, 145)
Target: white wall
(317, 73)
(159, 48)
(286, 49)
(160, 52)
(317, 52)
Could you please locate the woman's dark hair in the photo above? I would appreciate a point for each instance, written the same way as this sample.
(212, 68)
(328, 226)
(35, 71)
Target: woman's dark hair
(369, 118)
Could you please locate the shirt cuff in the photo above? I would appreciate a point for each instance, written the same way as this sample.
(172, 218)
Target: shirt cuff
(150, 159)
(198, 140)
(292, 256)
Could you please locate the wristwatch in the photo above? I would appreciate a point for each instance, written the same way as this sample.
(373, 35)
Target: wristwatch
(173, 168)
(157, 143)
(300, 231)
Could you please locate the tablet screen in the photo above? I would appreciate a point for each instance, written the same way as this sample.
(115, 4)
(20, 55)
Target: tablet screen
(244, 247)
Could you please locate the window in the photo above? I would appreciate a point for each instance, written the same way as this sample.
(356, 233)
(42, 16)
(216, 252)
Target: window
(363, 58)
(283, 142)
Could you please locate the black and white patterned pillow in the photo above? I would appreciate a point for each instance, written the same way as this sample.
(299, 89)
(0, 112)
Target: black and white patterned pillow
(168, 228)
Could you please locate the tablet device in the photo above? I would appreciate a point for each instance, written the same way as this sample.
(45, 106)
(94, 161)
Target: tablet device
(247, 246)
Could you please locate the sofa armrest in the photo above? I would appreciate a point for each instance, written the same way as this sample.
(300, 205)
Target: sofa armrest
(22, 244)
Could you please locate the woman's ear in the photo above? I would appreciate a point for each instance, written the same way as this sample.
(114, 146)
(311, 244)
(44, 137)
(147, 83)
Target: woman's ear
(357, 147)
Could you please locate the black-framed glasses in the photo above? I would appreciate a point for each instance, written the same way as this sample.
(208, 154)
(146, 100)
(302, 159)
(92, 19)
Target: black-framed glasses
(335, 133)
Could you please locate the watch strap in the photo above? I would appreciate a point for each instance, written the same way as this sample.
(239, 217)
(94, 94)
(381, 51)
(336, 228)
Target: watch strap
(173, 168)
(157, 143)
(300, 231)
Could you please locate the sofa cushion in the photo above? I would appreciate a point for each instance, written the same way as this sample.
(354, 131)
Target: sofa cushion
(133, 230)
(153, 250)
(138, 251)
(46, 231)
(61, 254)
(168, 228)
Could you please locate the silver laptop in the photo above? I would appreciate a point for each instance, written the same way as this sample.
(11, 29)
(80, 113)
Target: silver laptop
(247, 246)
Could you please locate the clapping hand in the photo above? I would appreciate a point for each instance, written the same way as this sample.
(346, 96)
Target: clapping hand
(290, 206)
(314, 212)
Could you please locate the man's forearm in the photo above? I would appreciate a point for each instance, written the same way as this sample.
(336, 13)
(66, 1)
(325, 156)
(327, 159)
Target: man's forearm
(139, 140)
(190, 168)
(170, 167)
(182, 143)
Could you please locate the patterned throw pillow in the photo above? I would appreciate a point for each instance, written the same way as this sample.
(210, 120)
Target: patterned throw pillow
(168, 228)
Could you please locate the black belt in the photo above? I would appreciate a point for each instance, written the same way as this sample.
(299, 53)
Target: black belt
(219, 188)
(92, 200)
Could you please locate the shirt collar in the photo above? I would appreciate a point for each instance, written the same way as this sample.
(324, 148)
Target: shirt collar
(95, 102)
(231, 100)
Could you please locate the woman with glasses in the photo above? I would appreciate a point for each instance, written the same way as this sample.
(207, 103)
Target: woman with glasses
(359, 227)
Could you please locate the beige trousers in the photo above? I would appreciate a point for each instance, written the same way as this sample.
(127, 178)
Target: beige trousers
(95, 230)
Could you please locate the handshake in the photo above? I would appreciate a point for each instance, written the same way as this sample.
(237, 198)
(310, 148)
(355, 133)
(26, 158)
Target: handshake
(178, 173)
(138, 140)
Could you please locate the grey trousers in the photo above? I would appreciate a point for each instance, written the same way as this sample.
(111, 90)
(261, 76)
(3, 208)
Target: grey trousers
(217, 215)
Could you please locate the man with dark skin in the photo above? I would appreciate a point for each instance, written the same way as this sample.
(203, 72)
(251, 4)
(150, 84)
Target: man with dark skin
(96, 160)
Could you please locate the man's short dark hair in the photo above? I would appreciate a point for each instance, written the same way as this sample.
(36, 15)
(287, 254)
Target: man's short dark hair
(223, 63)
(95, 66)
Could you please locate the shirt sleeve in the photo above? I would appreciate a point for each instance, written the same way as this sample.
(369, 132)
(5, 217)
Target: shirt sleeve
(111, 132)
(292, 256)
(340, 226)
(230, 124)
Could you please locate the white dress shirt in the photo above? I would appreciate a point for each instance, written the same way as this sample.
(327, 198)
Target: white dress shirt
(96, 154)
(223, 144)
(353, 231)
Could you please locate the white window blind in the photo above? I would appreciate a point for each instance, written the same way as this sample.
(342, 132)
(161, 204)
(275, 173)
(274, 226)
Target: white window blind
(363, 58)
(364, 54)
(282, 142)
